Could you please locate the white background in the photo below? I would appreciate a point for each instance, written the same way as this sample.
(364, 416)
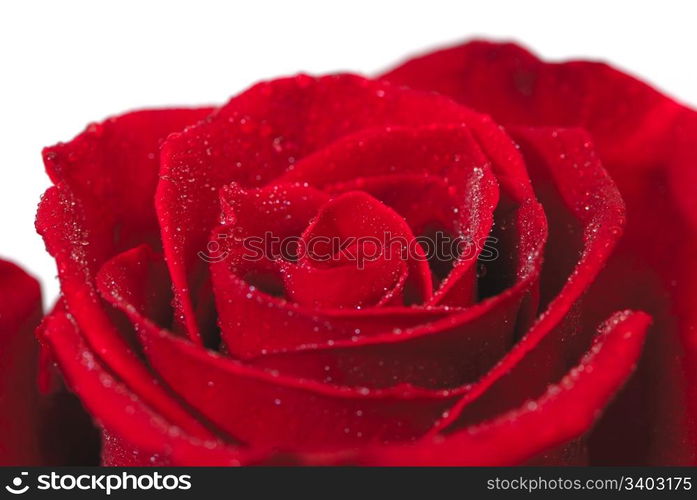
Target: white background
(65, 64)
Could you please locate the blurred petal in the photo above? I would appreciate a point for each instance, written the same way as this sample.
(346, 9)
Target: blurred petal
(20, 312)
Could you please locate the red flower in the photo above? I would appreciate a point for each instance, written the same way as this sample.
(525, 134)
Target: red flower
(230, 295)
(20, 311)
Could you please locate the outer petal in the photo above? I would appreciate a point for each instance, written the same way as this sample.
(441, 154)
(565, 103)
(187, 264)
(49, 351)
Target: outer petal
(566, 411)
(584, 201)
(20, 311)
(133, 433)
(79, 244)
(647, 143)
(625, 116)
(113, 166)
(105, 177)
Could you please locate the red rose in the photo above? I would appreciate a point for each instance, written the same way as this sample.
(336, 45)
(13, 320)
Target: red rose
(209, 318)
(20, 311)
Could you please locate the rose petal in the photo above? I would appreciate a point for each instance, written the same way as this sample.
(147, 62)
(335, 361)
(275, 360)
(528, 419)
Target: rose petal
(20, 311)
(567, 410)
(360, 217)
(374, 283)
(114, 165)
(134, 433)
(563, 161)
(79, 242)
(105, 177)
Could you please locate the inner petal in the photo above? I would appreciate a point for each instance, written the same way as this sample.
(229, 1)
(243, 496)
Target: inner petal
(375, 283)
(358, 228)
(434, 177)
